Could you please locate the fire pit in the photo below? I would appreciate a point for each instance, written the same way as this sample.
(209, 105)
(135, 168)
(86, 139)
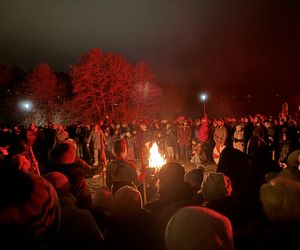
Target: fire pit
(155, 162)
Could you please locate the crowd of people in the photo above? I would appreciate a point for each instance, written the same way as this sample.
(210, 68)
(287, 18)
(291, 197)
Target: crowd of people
(251, 201)
(179, 139)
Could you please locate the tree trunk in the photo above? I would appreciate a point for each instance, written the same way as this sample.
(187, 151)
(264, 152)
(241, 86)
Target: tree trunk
(103, 102)
(49, 111)
(112, 108)
(95, 100)
(124, 107)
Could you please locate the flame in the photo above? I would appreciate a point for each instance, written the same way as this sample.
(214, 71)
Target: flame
(155, 159)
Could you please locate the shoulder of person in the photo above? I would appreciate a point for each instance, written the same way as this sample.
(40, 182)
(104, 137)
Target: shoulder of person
(110, 164)
(81, 162)
(131, 164)
(114, 163)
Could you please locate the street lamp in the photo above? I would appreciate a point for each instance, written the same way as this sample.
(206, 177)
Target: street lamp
(203, 98)
(27, 107)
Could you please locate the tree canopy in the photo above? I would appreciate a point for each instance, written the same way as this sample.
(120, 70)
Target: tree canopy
(106, 84)
(41, 85)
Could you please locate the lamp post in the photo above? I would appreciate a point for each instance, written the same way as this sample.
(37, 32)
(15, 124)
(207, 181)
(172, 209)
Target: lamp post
(27, 107)
(203, 98)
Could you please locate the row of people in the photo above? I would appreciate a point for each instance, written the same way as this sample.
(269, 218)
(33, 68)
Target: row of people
(181, 139)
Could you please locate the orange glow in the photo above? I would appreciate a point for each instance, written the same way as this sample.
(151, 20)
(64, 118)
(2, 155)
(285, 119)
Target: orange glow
(155, 159)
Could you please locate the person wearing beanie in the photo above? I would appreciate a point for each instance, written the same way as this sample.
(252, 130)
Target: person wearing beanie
(217, 195)
(195, 227)
(174, 193)
(279, 227)
(120, 172)
(195, 179)
(281, 199)
(126, 201)
(78, 227)
(103, 198)
(216, 186)
(29, 209)
(102, 206)
(172, 187)
(171, 172)
(288, 172)
(293, 159)
(59, 181)
(63, 160)
(129, 226)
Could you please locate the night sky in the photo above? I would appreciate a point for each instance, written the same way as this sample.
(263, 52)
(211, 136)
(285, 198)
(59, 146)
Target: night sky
(230, 49)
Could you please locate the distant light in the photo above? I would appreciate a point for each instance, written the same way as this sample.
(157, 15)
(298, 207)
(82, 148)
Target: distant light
(203, 97)
(25, 105)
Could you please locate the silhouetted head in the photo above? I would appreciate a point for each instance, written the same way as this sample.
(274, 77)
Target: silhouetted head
(63, 153)
(120, 149)
(196, 227)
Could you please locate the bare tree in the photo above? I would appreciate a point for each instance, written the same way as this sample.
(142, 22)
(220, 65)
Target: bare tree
(107, 84)
(90, 83)
(41, 84)
(147, 94)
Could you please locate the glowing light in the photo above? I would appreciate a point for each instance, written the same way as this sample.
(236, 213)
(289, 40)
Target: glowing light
(203, 97)
(25, 105)
(155, 159)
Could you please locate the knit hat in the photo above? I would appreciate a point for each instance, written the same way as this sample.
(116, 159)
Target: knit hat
(126, 201)
(171, 173)
(195, 177)
(289, 173)
(216, 186)
(196, 228)
(29, 208)
(63, 153)
(281, 199)
(103, 197)
(293, 159)
(59, 181)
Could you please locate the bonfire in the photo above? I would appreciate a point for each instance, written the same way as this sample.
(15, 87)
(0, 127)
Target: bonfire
(155, 159)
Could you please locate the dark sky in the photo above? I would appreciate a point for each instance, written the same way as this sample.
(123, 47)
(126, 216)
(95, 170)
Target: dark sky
(227, 48)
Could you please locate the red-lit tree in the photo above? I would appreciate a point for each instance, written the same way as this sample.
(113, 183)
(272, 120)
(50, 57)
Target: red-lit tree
(101, 85)
(121, 86)
(107, 84)
(147, 94)
(41, 84)
(90, 83)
